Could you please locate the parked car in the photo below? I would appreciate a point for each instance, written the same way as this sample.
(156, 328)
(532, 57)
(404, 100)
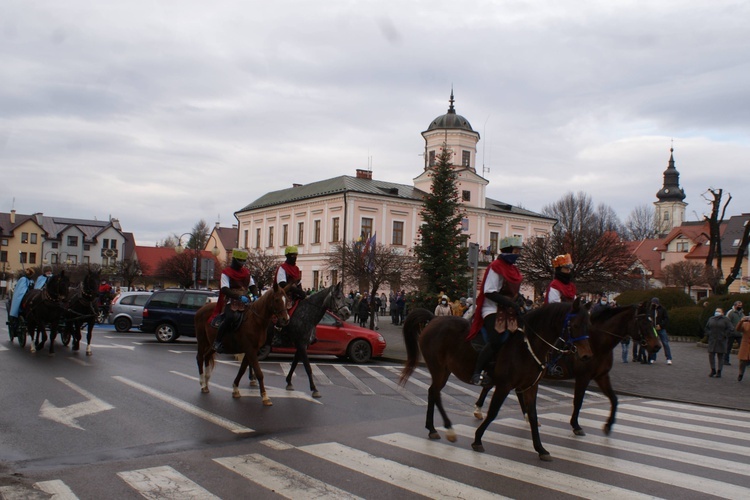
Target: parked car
(126, 310)
(338, 338)
(170, 313)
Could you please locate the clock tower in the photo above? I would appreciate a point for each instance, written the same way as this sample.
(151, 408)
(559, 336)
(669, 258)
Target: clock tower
(670, 209)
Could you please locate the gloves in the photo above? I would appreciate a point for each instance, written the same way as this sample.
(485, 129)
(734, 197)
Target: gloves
(244, 299)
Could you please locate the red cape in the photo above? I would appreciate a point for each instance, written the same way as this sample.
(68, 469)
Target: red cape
(241, 275)
(568, 291)
(511, 274)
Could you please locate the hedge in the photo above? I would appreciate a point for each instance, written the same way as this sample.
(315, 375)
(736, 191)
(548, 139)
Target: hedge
(686, 321)
(668, 297)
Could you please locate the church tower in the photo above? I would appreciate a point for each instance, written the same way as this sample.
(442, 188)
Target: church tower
(670, 209)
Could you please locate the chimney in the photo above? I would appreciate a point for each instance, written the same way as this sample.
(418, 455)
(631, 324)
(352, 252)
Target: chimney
(295, 185)
(364, 174)
(13, 216)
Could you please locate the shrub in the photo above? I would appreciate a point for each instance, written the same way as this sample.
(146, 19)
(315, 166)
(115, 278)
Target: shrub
(668, 297)
(686, 321)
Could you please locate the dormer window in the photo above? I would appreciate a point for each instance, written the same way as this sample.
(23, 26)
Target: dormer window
(466, 195)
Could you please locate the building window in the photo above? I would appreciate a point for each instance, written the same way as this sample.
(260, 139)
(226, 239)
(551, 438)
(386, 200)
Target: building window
(666, 215)
(466, 158)
(105, 243)
(257, 237)
(316, 232)
(466, 195)
(334, 276)
(113, 244)
(432, 158)
(3, 256)
(246, 238)
(72, 241)
(32, 257)
(270, 236)
(73, 260)
(22, 256)
(316, 280)
(33, 238)
(24, 237)
(54, 244)
(86, 247)
(682, 246)
(494, 236)
(300, 233)
(398, 233)
(366, 227)
(285, 235)
(335, 236)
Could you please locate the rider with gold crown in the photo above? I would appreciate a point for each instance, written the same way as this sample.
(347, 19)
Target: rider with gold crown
(497, 310)
(562, 288)
(236, 282)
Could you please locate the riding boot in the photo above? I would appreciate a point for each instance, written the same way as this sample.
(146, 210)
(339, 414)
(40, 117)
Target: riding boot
(485, 355)
(225, 325)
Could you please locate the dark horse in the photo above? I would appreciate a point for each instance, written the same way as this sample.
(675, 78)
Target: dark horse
(608, 328)
(247, 339)
(82, 309)
(549, 331)
(42, 308)
(302, 323)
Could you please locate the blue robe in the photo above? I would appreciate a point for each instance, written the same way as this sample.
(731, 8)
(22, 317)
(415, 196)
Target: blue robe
(23, 285)
(40, 282)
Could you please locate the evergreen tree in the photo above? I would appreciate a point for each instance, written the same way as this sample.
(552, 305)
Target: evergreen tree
(441, 252)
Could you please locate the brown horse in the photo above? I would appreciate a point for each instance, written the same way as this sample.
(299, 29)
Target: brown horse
(247, 339)
(548, 330)
(608, 328)
(43, 307)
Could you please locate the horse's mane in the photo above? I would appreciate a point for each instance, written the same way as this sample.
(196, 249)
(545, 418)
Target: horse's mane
(606, 313)
(308, 313)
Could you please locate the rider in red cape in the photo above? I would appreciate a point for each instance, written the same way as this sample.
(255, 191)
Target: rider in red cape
(235, 283)
(562, 288)
(497, 310)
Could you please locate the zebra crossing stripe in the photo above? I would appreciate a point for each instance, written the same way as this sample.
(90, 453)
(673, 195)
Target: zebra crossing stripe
(702, 429)
(621, 466)
(187, 407)
(569, 394)
(354, 380)
(445, 397)
(624, 445)
(164, 482)
(319, 376)
(646, 433)
(57, 488)
(386, 381)
(687, 416)
(546, 478)
(699, 409)
(281, 479)
(403, 476)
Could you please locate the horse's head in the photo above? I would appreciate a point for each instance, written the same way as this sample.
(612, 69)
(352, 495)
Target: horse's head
(90, 284)
(644, 331)
(57, 286)
(336, 302)
(280, 304)
(576, 330)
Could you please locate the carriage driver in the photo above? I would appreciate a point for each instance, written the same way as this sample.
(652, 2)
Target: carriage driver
(235, 283)
(42, 280)
(562, 288)
(497, 310)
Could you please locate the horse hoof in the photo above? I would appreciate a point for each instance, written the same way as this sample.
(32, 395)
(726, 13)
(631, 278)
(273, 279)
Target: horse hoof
(253, 383)
(450, 435)
(236, 394)
(607, 430)
(478, 413)
(433, 435)
(204, 390)
(477, 447)
(579, 432)
(316, 395)
(289, 387)
(545, 457)
(267, 402)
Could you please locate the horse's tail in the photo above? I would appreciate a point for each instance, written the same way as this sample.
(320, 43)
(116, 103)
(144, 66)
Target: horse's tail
(413, 325)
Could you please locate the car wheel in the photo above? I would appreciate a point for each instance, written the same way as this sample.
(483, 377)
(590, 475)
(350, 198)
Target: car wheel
(122, 324)
(359, 351)
(264, 352)
(166, 332)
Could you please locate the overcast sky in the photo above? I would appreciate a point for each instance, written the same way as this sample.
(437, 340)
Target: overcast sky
(164, 113)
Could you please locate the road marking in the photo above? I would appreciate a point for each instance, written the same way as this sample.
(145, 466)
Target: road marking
(281, 479)
(57, 488)
(187, 407)
(407, 394)
(722, 422)
(276, 444)
(111, 346)
(697, 408)
(67, 415)
(272, 392)
(164, 482)
(403, 476)
(356, 382)
(544, 477)
(318, 375)
(621, 466)
(422, 385)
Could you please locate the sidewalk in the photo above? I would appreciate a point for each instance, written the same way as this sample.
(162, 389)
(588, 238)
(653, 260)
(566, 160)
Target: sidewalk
(686, 380)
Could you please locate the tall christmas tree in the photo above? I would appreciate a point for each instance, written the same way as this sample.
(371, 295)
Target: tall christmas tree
(442, 252)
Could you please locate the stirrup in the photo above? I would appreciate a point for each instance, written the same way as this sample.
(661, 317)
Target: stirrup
(218, 347)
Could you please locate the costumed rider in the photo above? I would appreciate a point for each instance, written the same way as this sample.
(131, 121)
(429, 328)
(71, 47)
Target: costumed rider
(41, 281)
(289, 274)
(562, 288)
(235, 284)
(497, 310)
(24, 284)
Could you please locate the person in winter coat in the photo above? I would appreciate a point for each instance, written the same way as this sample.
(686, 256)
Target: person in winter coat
(743, 355)
(718, 330)
(443, 308)
(363, 310)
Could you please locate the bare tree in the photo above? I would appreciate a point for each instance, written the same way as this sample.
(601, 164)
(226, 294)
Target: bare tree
(714, 227)
(130, 271)
(262, 267)
(178, 268)
(685, 273)
(737, 267)
(641, 223)
(169, 242)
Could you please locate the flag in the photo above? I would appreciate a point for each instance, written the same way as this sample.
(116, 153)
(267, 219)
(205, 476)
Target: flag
(369, 252)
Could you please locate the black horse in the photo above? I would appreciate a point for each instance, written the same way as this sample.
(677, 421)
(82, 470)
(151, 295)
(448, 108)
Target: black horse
(44, 307)
(82, 308)
(302, 324)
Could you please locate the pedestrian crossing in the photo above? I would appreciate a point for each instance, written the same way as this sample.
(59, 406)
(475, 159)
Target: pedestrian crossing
(657, 450)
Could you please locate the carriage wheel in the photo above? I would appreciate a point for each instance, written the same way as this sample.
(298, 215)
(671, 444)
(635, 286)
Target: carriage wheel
(21, 332)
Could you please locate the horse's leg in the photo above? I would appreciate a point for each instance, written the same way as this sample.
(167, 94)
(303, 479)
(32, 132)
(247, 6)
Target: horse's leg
(480, 402)
(302, 349)
(605, 385)
(238, 378)
(295, 361)
(252, 378)
(89, 330)
(434, 399)
(200, 360)
(75, 326)
(582, 384)
(255, 367)
(498, 398)
(52, 337)
(530, 401)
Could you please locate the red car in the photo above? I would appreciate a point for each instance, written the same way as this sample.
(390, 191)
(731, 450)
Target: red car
(338, 338)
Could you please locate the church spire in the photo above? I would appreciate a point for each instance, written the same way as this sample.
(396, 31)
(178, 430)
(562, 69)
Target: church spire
(671, 190)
